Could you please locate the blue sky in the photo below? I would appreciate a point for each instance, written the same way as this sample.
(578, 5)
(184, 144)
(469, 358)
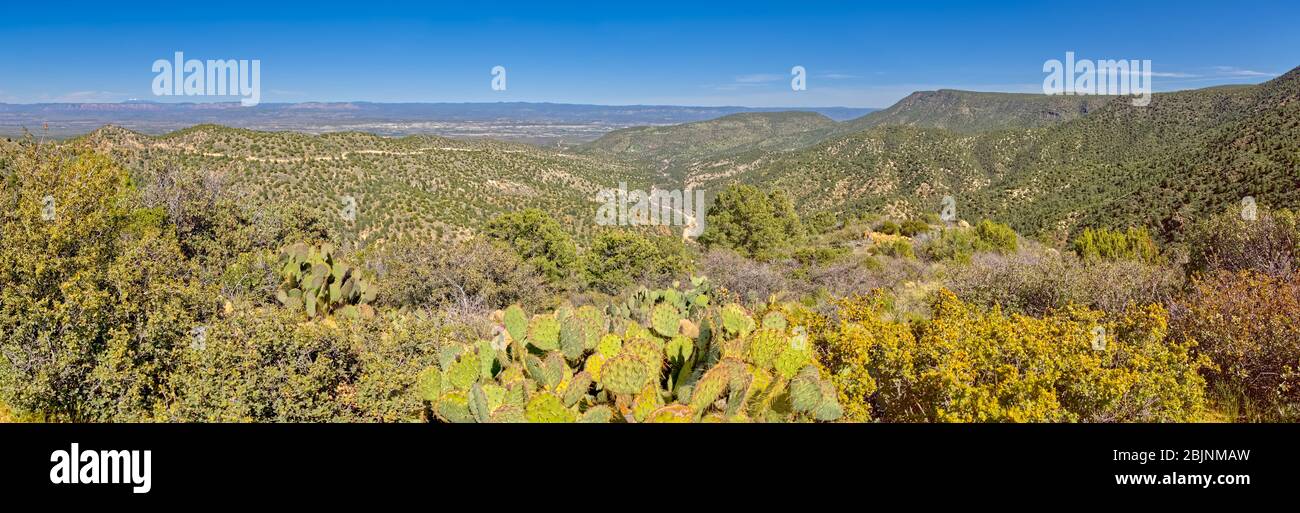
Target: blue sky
(857, 54)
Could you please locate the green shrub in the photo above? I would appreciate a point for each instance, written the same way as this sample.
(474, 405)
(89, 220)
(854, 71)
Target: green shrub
(95, 302)
(755, 224)
(959, 244)
(539, 240)
(822, 222)
(474, 274)
(619, 258)
(913, 227)
(819, 255)
(896, 248)
(993, 236)
(1105, 244)
(263, 365)
(952, 244)
(888, 228)
(1038, 282)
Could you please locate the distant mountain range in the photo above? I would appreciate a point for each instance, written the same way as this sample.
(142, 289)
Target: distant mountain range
(544, 123)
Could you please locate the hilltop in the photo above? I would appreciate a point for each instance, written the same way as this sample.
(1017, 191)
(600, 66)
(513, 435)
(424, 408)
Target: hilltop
(970, 111)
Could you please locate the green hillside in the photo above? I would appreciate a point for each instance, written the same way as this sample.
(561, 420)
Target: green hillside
(701, 152)
(970, 111)
(418, 186)
(1186, 154)
(667, 150)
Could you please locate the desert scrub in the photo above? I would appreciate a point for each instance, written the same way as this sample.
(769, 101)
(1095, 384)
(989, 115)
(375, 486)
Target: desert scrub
(96, 296)
(1248, 324)
(266, 365)
(971, 365)
(1036, 281)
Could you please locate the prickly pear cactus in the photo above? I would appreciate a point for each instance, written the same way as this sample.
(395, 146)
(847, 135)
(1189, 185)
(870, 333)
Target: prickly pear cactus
(429, 384)
(766, 345)
(573, 338)
(694, 363)
(315, 282)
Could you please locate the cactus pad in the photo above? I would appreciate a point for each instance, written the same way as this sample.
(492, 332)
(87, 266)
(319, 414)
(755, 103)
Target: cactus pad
(805, 390)
(765, 345)
(774, 320)
(464, 372)
(478, 404)
(679, 349)
(829, 409)
(736, 321)
(594, 364)
(709, 388)
(647, 401)
(593, 325)
(573, 338)
(454, 407)
(509, 414)
(576, 389)
(516, 322)
(546, 407)
(625, 374)
(544, 333)
(665, 320)
(609, 345)
(793, 358)
(429, 384)
(597, 415)
(671, 414)
(688, 329)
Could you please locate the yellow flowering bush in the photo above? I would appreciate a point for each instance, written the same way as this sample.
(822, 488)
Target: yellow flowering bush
(966, 364)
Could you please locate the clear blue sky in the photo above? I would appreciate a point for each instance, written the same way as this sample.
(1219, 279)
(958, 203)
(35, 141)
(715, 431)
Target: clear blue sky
(858, 54)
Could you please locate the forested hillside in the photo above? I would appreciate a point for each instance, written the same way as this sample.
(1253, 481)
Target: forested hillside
(970, 111)
(1188, 154)
(420, 187)
(669, 149)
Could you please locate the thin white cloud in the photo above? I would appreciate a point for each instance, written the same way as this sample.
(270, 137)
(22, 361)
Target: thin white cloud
(758, 78)
(1232, 71)
(837, 76)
